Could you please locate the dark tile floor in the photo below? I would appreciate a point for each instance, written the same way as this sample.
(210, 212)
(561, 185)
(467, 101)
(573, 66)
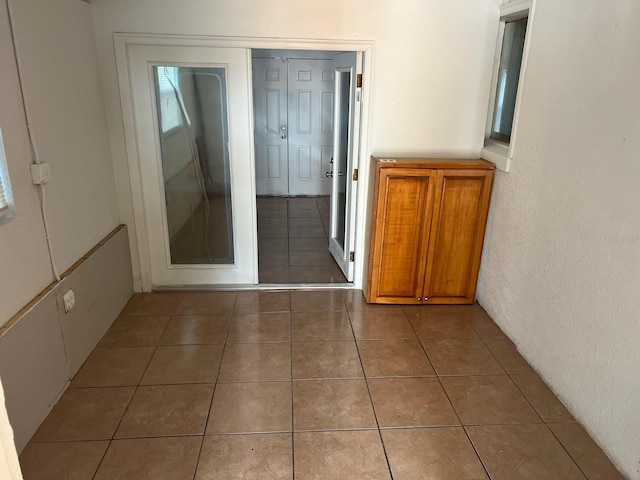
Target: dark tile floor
(311, 384)
(293, 245)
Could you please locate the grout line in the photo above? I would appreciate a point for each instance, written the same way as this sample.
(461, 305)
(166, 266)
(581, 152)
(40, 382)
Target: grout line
(366, 382)
(293, 441)
(215, 385)
(484, 467)
(132, 396)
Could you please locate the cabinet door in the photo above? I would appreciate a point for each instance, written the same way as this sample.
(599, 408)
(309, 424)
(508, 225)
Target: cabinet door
(455, 246)
(401, 220)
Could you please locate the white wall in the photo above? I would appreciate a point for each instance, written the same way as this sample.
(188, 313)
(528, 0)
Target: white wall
(62, 88)
(431, 67)
(561, 266)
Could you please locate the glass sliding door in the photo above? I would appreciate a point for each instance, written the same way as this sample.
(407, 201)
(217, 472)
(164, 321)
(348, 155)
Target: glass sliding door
(191, 104)
(193, 146)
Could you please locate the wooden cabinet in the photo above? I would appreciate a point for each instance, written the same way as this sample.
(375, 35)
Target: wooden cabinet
(428, 226)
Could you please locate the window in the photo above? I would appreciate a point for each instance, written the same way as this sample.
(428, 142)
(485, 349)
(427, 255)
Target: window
(6, 201)
(508, 76)
(169, 110)
(511, 51)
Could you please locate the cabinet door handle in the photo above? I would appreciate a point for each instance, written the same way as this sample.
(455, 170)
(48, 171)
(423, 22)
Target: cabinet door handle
(418, 299)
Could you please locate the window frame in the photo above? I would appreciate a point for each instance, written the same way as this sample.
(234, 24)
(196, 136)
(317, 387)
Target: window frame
(7, 212)
(501, 153)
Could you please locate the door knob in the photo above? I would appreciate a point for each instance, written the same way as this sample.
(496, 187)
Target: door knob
(329, 174)
(283, 127)
(283, 136)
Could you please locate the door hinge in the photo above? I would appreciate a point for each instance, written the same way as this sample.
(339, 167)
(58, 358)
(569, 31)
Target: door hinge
(352, 256)
(359, 80)
(355, 174)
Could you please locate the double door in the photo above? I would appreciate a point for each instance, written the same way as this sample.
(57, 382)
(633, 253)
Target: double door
(294, 125)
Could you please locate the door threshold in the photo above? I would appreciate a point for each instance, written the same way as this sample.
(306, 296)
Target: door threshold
(260, 286)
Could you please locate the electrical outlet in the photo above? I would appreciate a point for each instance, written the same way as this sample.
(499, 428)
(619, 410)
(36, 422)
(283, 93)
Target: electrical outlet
(69, 300)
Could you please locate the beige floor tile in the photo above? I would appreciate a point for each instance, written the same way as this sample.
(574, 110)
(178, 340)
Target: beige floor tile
(394, 358)
(272, 232)
(411, 402)
(151, 304)
(435, 312)
(62, 461)
(273, 245)
(113, 367)
(251, 408)
(326, 360)
(441, 326)
(524, 452)
(316, 274)
(320, 326)
(196, 330)
(135, 331)
(317, 301)
(380, 324)
(183, 364)
(272, 221)
(307, 232)
(167, 410)
(308, 221)
(246, 457)
(172, 458)
(340, 455)
(302, 203)
(297, 244)
(268, 203)
(585, 452)
(253, 362)
(274, 275)
(482, 322)
(488, 400)
(272, 213)
(256, 302)
(508, 356)
(311, 259)
(85, 414)
(461, 356)
(309, 212)
(206, 303)
(543, 400)
(273, 259)
(432, 454)
(331, 405)
(260, 328)
(354, 299)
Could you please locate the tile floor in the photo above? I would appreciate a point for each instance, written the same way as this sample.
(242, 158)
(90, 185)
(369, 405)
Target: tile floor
(307, 385)
(293, 245)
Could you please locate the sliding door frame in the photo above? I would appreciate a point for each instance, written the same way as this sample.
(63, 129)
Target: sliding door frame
(123, 41)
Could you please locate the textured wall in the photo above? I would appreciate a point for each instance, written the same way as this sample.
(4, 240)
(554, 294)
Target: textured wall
(562, 254)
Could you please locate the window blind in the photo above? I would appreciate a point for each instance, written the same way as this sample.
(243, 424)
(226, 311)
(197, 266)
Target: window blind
(3, 199)
(170, 117)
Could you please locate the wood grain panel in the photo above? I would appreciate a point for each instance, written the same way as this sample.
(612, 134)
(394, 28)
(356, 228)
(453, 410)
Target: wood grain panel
(459, 219)
(402, 217)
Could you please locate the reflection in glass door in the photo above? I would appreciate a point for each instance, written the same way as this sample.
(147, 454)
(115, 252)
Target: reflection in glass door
(193, 131)
(341, 155)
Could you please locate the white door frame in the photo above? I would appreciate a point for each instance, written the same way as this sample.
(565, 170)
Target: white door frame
(123, 41)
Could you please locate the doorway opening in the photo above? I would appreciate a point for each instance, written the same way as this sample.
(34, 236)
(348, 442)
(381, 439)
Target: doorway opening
(306, 129)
